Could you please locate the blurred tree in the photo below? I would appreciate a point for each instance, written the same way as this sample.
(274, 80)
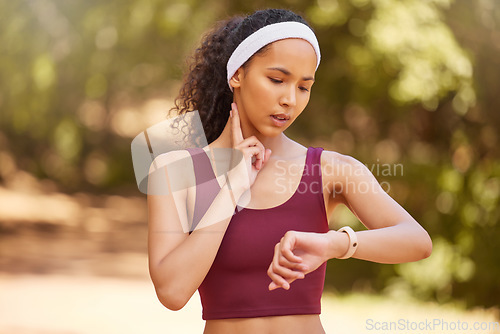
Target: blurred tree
(72, 70)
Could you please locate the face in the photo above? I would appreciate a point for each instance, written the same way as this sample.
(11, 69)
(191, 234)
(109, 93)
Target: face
(275, 88)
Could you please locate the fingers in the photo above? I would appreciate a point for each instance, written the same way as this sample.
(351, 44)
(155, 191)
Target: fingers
(254, 152)
(286, 246)
(281, 276)
(236, 125)
(251, 147)
(279, 281)
(267, 155)
(285, 268)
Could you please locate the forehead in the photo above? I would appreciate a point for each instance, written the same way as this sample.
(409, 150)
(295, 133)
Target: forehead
(294, 53)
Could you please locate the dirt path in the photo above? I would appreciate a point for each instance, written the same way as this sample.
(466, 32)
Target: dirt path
(65, 304)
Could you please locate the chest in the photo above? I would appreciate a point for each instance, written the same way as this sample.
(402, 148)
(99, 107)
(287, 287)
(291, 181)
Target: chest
(276, 183)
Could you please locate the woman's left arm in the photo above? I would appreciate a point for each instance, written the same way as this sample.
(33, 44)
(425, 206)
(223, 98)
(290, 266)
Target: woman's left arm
(393, 235)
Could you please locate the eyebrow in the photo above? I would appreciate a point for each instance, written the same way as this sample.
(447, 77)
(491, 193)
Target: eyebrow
(287, 72)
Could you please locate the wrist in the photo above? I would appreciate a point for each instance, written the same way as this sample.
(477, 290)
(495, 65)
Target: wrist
(338, 244)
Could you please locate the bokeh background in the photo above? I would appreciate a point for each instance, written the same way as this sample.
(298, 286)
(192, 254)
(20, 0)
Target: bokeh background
(410, 88)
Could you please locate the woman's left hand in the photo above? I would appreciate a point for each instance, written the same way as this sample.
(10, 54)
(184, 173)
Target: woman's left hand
(297, 254)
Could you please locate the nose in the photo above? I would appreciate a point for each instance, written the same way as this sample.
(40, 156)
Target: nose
(289, 99)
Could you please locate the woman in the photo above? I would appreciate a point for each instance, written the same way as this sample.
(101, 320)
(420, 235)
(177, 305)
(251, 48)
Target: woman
(258, 237)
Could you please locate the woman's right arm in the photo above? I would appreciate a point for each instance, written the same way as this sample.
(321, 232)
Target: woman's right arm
(178, 261)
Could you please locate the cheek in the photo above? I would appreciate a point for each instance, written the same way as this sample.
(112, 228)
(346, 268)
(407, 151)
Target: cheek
(263, 87)
(261, 93)
(302, 102)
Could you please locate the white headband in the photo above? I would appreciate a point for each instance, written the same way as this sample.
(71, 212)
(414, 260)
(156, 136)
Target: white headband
(266, 35)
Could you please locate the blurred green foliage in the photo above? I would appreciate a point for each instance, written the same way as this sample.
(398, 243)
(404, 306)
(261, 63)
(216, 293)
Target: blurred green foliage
(408, 82)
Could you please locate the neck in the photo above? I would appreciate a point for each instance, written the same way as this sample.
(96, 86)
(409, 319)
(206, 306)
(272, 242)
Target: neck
(277, 144)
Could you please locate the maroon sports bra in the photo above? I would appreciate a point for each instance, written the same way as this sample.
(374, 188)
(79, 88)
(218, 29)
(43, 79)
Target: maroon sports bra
(236, 285)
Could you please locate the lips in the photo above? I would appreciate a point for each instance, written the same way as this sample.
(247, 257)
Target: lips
(279, 119)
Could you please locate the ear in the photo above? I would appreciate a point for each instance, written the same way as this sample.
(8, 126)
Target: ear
(235, 81)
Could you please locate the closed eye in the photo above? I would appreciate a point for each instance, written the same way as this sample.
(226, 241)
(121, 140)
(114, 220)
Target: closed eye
(280, 81)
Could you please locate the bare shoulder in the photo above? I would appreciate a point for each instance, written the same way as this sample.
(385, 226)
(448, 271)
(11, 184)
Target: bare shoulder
(341, 170)
(292, 150)
(342, 162)
(177, 165)
(171, 157)
(344, 175)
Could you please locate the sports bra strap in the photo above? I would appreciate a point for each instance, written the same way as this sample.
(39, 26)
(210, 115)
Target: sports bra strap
(313, 162)
(207, 186)
(313, 177)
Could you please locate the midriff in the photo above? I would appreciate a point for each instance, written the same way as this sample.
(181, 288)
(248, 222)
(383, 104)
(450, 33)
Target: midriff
(290, 324)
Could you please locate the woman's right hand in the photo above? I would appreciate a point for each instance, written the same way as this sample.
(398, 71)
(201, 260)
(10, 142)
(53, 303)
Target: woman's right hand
(254, 153)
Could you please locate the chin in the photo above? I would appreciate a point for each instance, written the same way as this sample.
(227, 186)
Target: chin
(274, 132)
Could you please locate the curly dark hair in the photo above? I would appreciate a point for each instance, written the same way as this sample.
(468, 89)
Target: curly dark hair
(205, 85)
